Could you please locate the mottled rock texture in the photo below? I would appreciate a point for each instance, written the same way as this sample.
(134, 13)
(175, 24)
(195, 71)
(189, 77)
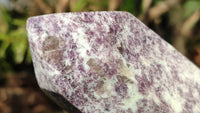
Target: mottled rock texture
(110, 62)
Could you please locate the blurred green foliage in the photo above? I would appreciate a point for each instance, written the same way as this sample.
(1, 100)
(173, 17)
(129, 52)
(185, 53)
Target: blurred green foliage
(14, 48)
(129, 5)
(13, 40)
(80, 5)
(190, 7)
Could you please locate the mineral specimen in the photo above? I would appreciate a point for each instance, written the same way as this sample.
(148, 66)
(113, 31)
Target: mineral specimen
(110, 62)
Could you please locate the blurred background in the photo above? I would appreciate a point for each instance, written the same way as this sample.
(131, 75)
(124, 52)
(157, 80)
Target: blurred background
(177, 21)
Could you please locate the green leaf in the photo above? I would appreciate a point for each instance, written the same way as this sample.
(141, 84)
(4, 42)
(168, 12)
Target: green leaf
(129, 5)
(190, 7)
(5, 20)
(157, 1)
(19, 22)
(5, 15)
(19, 44)
(4, 39)
(80, 5)
(103, 4)
(3, 25)
(28, 57)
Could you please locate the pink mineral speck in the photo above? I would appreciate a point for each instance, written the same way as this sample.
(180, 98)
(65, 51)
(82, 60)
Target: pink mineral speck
(110, 62)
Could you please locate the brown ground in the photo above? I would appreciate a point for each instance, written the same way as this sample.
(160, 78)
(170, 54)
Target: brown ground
(19, 93)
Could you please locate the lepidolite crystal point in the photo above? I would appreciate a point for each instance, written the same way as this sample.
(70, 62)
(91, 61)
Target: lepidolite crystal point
(110, 62)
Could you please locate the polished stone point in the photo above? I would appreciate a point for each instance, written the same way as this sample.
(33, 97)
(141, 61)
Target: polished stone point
(110, 62)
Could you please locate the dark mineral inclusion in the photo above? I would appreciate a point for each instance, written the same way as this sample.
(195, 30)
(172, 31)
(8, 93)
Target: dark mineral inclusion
(110, 62)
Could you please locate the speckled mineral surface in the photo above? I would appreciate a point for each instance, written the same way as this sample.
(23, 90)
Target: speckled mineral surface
(110, 62)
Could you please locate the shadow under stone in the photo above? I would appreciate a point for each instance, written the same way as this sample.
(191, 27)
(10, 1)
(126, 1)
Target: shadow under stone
(62, 102)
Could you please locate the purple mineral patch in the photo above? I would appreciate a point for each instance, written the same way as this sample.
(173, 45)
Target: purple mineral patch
(110, 62)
